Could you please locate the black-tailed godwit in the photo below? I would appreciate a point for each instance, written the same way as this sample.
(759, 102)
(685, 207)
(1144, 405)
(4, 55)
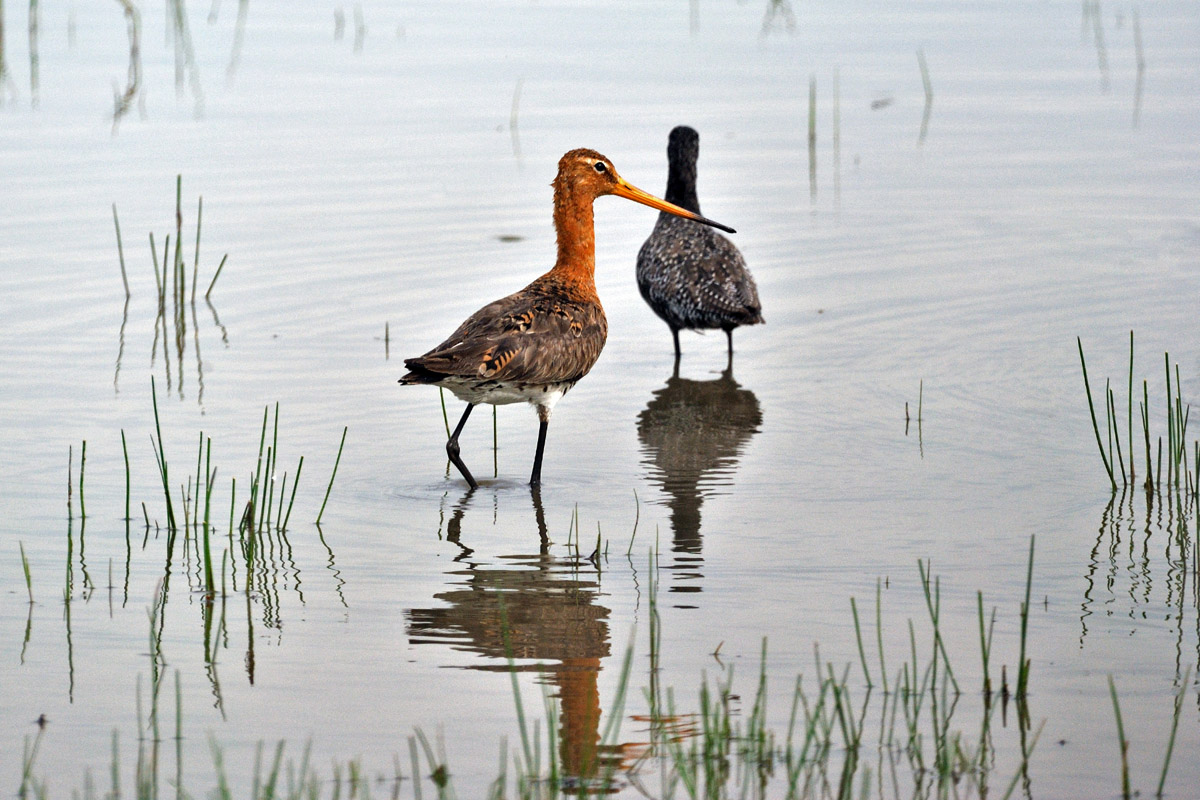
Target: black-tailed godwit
(692, 276)
(536, 344)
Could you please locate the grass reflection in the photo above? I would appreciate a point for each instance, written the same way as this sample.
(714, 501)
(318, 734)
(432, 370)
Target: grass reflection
(181, 305)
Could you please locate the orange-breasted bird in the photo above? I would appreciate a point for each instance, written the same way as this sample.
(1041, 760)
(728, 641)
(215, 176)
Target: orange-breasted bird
(535, 344)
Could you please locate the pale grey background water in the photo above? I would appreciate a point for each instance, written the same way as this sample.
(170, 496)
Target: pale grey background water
(358, 190)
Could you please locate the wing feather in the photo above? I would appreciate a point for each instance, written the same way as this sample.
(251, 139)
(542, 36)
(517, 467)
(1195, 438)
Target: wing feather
(535, 336)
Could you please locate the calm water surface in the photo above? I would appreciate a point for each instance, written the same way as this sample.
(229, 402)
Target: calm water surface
(371, 196)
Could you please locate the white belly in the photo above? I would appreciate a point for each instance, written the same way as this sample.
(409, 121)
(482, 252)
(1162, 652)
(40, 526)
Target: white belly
(499, 393)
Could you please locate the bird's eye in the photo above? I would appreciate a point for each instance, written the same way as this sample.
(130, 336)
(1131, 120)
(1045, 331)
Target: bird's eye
(600, 167)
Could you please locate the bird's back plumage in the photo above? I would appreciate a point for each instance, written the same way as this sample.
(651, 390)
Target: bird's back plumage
(695, 278)
(541, 336)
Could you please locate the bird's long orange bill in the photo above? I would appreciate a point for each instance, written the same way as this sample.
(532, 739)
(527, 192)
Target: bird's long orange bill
(631, 192)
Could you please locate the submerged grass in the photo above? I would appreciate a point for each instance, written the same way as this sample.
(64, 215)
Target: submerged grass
(721, 745)
(1180, 477)
(82, 465)
(333, 474)
(196, 497)
(1122, 742)
(25, 569)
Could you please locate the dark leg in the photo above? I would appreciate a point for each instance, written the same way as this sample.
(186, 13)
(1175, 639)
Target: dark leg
(536, 478)
(452, 448)
(729, 338)
(675, 335)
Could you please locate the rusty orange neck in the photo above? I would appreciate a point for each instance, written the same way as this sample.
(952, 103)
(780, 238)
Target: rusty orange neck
(573, 223)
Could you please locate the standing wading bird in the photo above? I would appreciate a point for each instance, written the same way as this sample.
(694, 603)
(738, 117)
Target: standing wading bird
(693, 277)
(536, 344)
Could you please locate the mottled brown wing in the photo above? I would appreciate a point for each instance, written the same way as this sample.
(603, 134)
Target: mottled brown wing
(529, 337)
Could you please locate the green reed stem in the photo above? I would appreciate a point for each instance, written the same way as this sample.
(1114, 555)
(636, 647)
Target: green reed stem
(162, 305)
(933, 604)
(209, 482)
(161, 454)
(1182, 414)
(415, 760)
(268, 491)
(985, 643)
(1095, 425)
(256, 485)
(178, 732)
(268, 495)
(82, 463)
(232, 507)
(279, 509)
(209, 577)
(333, 475)
(505, 631)
(177, 265)
(612, 727)
(25, 568)
(125, 452)
(1129, 409)
(1023, 668)
(1122, 742)
(120, 251)
(268, 791)
(196, 262)
(1183, 687)
(862, 654)
(223, 791)
(1158, 462)
(1170, 424)
(157, 279)
(1120, 459)
(29, 756)
(295, 483)
(637, 515)
(220, 267)
(879, 633)
(256, 781)
(445, 416)
(1145, 408)
(199, 461)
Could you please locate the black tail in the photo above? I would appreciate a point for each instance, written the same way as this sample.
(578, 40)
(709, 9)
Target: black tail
(418, 374)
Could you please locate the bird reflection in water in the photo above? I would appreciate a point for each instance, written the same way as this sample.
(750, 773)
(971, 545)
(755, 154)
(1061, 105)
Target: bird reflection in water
(541, 609)
(692, 433)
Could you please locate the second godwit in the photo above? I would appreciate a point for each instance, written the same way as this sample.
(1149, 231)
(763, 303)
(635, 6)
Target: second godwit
(535, 344)
(694, 277)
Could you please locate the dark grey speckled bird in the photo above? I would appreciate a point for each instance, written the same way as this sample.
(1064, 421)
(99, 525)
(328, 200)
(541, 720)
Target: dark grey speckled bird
(690, 275)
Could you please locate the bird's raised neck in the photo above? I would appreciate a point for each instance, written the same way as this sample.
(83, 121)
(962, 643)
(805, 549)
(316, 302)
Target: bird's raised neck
(681, 186)
(683, 150)
(576, 232)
